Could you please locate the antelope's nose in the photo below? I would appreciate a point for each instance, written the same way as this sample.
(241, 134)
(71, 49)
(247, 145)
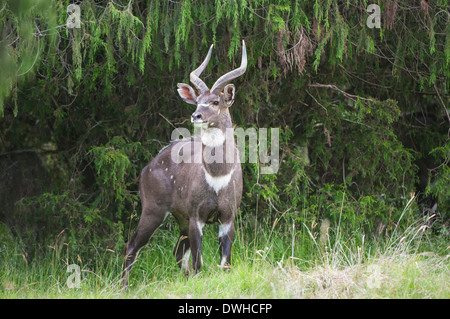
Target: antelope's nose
(196, 117)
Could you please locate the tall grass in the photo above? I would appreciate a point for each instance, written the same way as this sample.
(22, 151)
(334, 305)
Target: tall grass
(270, 259)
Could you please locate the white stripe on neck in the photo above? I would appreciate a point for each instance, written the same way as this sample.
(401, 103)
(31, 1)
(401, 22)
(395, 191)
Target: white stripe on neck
(213, 137)
(218, 182)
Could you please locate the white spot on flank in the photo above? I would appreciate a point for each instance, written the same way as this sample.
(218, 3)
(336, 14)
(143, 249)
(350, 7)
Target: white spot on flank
(162, 162)
(171, 176)
(224, 229)
(218, 182)
(166, 169)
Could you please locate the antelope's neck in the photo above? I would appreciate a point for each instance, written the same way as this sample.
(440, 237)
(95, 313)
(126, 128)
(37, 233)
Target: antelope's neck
(218, 149)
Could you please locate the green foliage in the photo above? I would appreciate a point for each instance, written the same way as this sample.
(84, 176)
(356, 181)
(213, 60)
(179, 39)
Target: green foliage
(54, 220)
(22, 42)
(112, 165)
(268, 261)
(103, 97)
(439, 185)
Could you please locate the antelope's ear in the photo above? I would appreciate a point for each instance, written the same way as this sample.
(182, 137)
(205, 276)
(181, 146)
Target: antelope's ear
(187, 93)
(228, 95)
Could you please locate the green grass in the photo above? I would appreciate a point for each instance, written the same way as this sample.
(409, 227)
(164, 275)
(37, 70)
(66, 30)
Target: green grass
(270, 260)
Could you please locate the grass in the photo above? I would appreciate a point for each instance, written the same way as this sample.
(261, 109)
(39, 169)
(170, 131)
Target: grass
(285, 260)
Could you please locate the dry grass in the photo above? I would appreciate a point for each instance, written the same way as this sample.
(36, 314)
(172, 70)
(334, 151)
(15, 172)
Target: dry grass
(401, 276)
(349, 270)
(338, 265)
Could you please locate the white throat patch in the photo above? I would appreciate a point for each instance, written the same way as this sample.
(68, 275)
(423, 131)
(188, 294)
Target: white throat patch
(218, 182)
(213, 137)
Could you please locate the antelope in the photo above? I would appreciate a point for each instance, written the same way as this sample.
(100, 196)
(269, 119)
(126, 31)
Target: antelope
(199, 192)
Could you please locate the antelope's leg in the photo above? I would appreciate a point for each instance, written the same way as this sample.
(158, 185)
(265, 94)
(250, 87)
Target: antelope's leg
(226, 235)
(182, 249)
(195, 241)
(182, 252)
(151, 219)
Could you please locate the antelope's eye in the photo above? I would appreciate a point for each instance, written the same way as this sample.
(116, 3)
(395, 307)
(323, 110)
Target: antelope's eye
(216, 102)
